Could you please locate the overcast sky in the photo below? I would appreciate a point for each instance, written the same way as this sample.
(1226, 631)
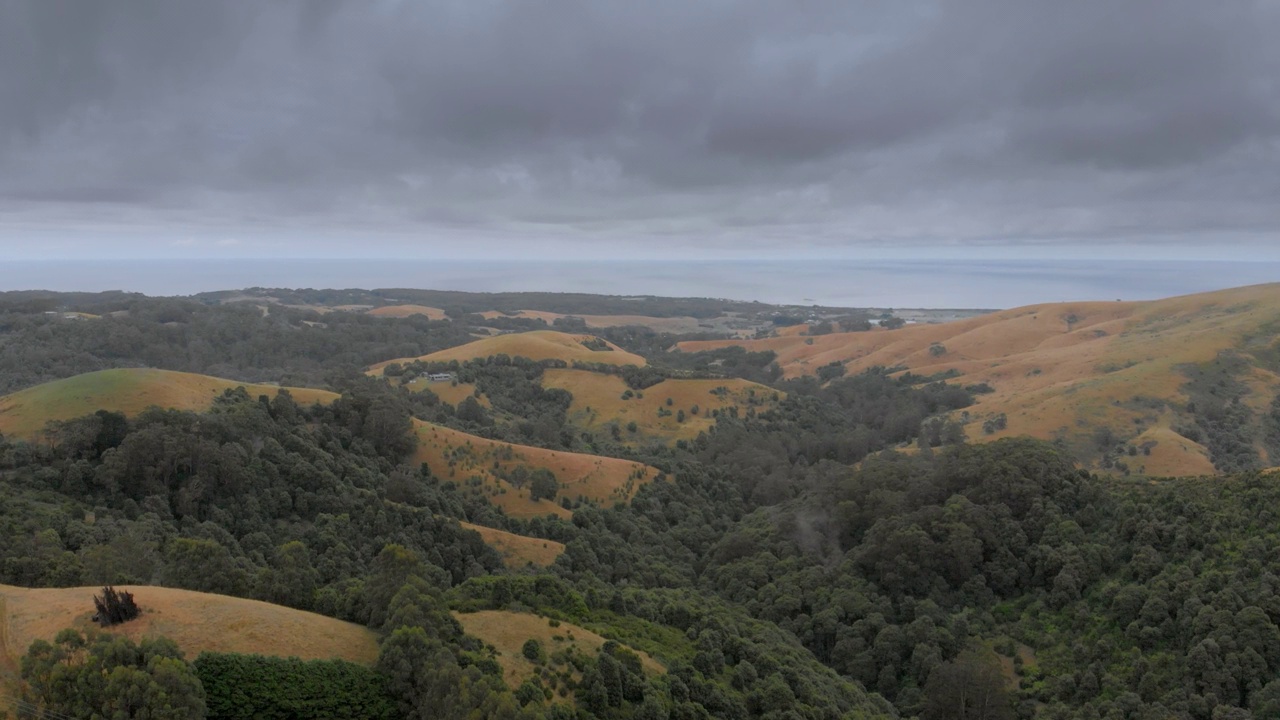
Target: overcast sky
(416, 128)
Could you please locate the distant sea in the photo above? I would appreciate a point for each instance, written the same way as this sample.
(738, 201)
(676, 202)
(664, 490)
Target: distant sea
(878, 283)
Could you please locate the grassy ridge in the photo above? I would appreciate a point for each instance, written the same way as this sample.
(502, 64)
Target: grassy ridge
(599, 400)
(478, 462)
(129, 390)
(196, 621)
(536, 345)
(1070, 370)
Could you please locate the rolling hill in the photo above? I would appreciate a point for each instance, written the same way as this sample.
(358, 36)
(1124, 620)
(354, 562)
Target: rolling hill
(402, 311)
(536, 345)
(1097, 375)
(127, 390)
(508, 631)
(195, 621)
(486, 465)
(600, 400)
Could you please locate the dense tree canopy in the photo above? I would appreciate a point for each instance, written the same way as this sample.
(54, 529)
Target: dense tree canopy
(836, 552)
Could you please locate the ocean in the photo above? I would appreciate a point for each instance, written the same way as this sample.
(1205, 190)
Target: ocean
(847, 283)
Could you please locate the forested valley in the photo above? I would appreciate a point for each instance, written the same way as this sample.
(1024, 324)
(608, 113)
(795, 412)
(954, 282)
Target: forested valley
(839, 553)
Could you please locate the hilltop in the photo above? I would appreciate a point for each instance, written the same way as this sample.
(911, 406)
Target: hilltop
(128, 390)
(493, 468)
(535, 345)
(196, 621)
(1100, 376)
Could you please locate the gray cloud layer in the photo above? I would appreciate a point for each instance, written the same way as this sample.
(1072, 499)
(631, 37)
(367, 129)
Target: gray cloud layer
(827, 123)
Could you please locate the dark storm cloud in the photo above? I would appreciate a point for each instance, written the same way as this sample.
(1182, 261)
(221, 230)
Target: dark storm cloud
(825, 123)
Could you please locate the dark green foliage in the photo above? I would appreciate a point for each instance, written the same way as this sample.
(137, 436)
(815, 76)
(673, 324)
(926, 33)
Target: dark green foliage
(109, 676)
(831, 371)
(771, 577)
(770, 452)
(1217, 403)
(428, 682)
(971, 687)
(234, 340)
(253, 687)
(543, 485)
(756, 366)
(995, 424)
(114, 607)
(216, 502)
(532, 650)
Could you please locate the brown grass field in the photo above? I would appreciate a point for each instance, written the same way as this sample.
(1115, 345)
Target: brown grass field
(130, 391)
(518, 551)
(195, 621)
(1067, 369)
(403, 311)
(471, 461)
(536, 345)
(597, 401)
(507, 632)
(447, 391)
(675, 325)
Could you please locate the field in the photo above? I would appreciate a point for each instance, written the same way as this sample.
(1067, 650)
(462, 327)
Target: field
(1066, 370)
(480, 463)
(195, 621)
(508, 631)
(402, 311)
(598, 401)
(130, 390)
(518, 551)
(452, 393)
(536, 345)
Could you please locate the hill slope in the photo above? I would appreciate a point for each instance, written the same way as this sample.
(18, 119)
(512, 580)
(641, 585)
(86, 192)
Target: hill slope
(128, 390)
(195, 621)
(536, 345)
(1098, 375)
(402, 311)
(486, 465)
(598, 400)
(518, 551)
(508, 631)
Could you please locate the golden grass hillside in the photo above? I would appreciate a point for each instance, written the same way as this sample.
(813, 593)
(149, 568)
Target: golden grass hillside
(450, 392)
(480, 464)
(403, 311)
(518, 551)
(1065, 370)
(536, 345)
(127, 390)
(195, 621)
(508, 631)
(598, 400)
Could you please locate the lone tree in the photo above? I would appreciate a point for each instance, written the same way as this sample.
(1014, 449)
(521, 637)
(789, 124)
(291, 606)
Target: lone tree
(114, 607)
(543, 483)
